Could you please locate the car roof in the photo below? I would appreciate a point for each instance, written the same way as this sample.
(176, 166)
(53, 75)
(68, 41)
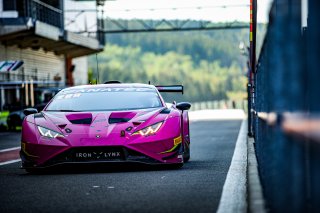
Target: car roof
(116, 85)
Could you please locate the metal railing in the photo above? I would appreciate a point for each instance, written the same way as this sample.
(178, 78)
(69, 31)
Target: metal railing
(39, 10)
(286, 121)
(17, 76)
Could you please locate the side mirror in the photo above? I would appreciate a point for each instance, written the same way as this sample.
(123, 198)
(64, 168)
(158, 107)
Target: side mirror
(29, 111)
(183, 106)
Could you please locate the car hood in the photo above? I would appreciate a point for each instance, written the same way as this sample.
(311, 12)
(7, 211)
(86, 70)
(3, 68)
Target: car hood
(101, 124)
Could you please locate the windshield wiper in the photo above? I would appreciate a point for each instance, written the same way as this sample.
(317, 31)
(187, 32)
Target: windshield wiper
(63, 110)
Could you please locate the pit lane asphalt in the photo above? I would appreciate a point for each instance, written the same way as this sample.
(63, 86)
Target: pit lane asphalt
(196, 187)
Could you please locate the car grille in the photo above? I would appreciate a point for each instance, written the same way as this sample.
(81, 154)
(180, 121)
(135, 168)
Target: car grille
(99, 154)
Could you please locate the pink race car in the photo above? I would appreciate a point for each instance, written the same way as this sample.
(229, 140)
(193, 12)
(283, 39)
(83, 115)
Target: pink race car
(110, 122)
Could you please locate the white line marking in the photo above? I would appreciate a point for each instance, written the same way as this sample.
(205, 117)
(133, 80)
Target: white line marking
(10, 149)
(234, 193)
(10, 161)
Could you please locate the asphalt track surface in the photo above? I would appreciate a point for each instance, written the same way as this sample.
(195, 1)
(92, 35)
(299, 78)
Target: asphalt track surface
(196, 187)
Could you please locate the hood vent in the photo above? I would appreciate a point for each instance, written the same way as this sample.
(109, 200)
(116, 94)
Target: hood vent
(136, 123)
(118, 120)
(165, 111)
(62, 126)
(121, 117)
(82, 121)
(80, 118)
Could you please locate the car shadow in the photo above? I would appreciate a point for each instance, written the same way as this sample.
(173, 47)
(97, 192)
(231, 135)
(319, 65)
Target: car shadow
(100, 168)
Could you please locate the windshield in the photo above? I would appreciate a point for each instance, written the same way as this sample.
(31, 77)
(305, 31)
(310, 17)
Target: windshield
(105, 99)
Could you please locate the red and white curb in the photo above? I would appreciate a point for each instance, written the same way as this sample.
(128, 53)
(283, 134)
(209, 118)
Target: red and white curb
(8, 156)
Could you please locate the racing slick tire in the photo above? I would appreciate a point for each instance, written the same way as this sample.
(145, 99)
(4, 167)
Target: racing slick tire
(186, 154)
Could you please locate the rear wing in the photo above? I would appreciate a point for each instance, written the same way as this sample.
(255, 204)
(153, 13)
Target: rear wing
(170, 88)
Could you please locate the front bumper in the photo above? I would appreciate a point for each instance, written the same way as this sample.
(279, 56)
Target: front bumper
(95, 154)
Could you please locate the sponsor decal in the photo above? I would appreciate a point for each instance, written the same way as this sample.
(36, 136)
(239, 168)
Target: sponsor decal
(100, 120)
(177, 140)
(98, 155)
(68, 96)
(76, 91)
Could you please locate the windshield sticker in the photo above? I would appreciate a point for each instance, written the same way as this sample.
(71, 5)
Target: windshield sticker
(68, 96)
(71, 91)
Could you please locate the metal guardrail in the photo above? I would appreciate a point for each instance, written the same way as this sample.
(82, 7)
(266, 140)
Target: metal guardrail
(286, 121)
(221, 104)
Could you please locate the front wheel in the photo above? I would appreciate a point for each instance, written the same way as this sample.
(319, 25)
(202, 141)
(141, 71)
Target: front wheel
(186, 153)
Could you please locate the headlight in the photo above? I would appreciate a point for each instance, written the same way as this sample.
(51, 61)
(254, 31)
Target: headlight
(150, 130)
(48, 132)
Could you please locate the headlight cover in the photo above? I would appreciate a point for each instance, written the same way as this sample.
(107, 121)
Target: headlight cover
(48, 132)
(149, 130)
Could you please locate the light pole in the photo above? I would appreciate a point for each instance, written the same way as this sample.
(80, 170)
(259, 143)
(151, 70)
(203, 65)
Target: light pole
(252, 67)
